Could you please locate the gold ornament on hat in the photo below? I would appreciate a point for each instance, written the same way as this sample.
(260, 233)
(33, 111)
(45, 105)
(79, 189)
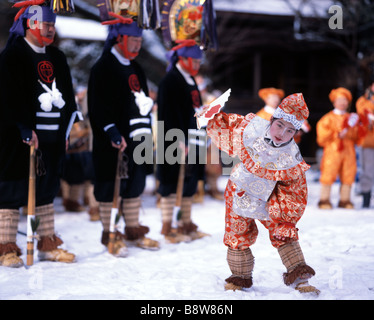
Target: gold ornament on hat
(189, 20)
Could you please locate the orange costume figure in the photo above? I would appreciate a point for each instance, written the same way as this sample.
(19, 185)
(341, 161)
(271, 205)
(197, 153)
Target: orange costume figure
(337, 134)
(269, 184)
(365, 108)
(272, 97)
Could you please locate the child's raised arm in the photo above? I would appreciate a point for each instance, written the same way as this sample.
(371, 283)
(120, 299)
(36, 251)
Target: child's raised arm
(226, 130)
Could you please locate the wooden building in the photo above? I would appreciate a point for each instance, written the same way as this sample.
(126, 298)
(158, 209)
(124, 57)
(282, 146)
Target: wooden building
(268, 43)
(264, 48)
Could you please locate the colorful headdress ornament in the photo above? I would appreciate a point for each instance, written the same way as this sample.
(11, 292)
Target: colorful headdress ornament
(60, 6)
(188, 49)
(293, 109)
(189, 20)
(57, 6)
(121, 26)
(25, 5)
(119, 19)
(184, 48)
(145, 12)
(33, 11)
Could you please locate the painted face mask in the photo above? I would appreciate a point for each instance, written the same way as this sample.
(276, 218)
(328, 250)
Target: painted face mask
(189, 66)
(35, 28)
(34, 16)
(124, 27)
(123, 45)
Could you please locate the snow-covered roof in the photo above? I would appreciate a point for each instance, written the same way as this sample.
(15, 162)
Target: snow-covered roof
(82, 29)
(307, 8)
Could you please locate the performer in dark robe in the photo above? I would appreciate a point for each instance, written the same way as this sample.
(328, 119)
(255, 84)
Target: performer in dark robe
(36, 106)
(178, 100)
(119, 112)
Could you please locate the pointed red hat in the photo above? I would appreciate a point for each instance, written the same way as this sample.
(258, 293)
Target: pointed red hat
(293, 109)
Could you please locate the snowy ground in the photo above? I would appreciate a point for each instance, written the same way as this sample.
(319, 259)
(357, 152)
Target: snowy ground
(338, 244)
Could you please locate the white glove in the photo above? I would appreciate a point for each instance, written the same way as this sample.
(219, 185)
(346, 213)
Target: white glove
(143, 102)
(371, 116)
(353, 119)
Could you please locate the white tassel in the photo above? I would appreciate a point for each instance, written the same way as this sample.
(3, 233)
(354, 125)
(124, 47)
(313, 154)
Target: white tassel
(50, 97)
(45, 100)
(57, 96)
(143, 102)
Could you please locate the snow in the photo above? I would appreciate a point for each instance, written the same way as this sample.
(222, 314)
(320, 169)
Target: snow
(313, 8)
(338, 244)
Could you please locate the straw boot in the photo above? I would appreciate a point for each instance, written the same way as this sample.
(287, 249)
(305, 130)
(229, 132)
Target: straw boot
(90, 199)
(133, 230)
(345, 197)
(120, 248)
(9, 251)
(48, 241)
(187, 226)
(74, 194)
(324, 202)
(171, 235)
(241, 263)
(200, 192)
(298, 272)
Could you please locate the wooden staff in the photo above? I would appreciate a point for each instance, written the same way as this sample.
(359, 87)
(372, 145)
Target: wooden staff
(177, 212)
(114, 211)
(31, 209)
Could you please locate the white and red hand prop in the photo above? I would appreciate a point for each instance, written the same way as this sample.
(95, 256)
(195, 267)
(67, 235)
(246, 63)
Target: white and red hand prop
(212, 109)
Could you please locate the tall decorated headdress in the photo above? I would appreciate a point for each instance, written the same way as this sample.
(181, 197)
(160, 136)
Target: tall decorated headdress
(189, 20)
(188, 27)
(145, 12)
(37, 11)
(128, 17)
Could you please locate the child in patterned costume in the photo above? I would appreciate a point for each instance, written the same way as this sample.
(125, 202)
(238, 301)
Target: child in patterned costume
(272, 97)
(269, 184)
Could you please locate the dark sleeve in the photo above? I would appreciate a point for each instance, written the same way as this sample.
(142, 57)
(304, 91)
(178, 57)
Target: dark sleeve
(170, 96)
(14, 109)
(101, 98)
